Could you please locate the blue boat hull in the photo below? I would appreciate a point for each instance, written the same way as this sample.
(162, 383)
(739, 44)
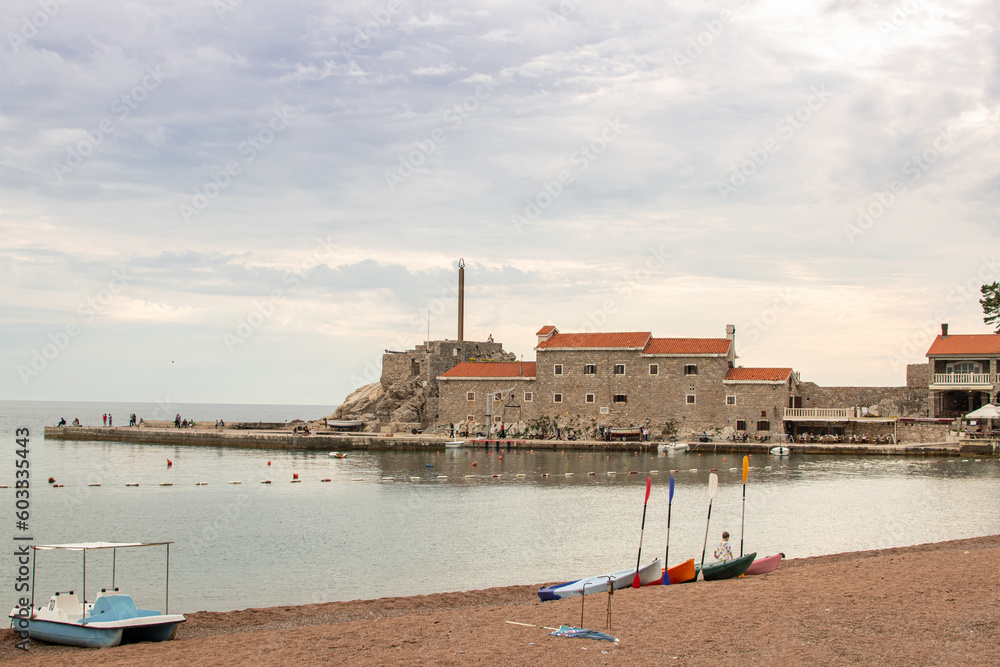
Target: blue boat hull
(72, 634)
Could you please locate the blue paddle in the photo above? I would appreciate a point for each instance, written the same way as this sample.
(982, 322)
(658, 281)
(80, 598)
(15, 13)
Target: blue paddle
(666, 563)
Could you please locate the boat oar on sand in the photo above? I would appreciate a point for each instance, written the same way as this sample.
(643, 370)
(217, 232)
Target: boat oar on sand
(746, 471)
(666, 556)
(713, 488)
(635, 581)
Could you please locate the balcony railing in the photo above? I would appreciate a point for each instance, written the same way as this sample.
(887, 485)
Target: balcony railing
(965, 379)
(819, 413)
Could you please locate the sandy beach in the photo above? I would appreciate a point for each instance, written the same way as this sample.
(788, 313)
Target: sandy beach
(926, 604)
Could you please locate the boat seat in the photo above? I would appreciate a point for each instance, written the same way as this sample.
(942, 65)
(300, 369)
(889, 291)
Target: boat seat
(66, 606)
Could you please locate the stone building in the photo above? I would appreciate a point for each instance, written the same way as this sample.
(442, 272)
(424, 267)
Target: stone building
(964, 372)
(584, 381)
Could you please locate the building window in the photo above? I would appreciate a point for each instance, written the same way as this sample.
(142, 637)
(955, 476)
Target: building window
(619, 369)
(963, 368)
(590, 369)
(497, 418)
(455, 352)
(471, 396)
(654, 369)
(498, 396)
(763, 425)
(730, 400)
(691, 369)
(620, 398)
(527, 397)
(741, 425)
(557, 369)
(589, 398)
(690, 399)
(469, 418)
(557, 398)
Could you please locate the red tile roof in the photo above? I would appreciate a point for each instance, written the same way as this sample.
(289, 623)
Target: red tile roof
(546, 330)
(759, 374)
(688, 346)
(628, 339)
(966, 344)
(492, 369)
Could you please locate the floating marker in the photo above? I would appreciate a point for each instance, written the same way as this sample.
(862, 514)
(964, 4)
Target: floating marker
(357, 479)
(131, 483)
(442, 476)
(58, 486)
(229, 482)
(414, 479)
(387, 479)
(4, 486)
(611, 472)
(326, 480)
(93, 485)
(767, 467)
(784, 467)
(733, 469)
(654, 472)
(675, 471)
(470, 477)
(494, 476)
(265, 481)
(520, 474)
(545, 474)
(169, 463)
(201, 483)
(693, 470)
(633, 472)
(569, 474)
(295, 475)
(713, 469)
(591, 473)
(166, 483)
(296, 481)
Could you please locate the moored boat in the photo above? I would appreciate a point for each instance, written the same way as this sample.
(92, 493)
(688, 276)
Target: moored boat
(780, 451)
(111, 619)
(454, 443)
(597, 584)
(673, 447)
(765, 565)
(338, 455)
(726, 569)
(342, 424)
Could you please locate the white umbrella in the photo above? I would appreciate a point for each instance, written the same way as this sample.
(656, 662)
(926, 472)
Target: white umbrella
(988, 411)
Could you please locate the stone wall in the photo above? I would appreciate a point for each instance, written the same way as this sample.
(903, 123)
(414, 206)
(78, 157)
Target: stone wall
(756, 402)
(918, 376)
(455, 408)
(881, 401)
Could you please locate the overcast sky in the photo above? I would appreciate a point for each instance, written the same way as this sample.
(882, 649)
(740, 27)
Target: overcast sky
(248, 201)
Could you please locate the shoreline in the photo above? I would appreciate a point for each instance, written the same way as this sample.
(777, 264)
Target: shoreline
(272, 439)
(931, 603)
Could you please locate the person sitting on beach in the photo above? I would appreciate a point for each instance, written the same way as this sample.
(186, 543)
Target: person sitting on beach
(76, 421)
(724, 551)
(62, 421)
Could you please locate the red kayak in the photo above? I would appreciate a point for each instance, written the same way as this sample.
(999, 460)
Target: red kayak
(765, 565)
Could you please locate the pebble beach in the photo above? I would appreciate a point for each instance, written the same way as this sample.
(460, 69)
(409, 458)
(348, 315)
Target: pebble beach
(926, 604)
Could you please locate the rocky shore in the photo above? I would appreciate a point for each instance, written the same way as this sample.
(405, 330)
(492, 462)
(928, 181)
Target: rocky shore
(920, 605)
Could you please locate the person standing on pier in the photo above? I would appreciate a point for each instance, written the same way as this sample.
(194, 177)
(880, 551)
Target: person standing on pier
(110, 420)
(104, 418)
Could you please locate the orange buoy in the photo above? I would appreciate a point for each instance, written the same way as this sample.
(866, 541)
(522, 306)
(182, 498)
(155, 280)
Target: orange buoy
(268, 463)
(169, 463)
(723, 459)
(473, 463)
(295, 475)
(52, 480)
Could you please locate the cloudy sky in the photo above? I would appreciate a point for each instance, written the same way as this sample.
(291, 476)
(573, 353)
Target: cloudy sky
(248, 201)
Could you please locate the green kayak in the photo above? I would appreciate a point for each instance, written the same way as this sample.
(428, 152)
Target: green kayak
(726, 569)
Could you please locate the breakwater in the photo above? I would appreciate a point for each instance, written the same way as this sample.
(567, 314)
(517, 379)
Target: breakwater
(285, 439)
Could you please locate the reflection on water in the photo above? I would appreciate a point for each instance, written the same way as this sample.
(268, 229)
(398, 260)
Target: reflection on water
(256, 544)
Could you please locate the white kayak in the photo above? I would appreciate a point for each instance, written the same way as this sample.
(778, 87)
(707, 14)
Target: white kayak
(780, 451)
(647, 575)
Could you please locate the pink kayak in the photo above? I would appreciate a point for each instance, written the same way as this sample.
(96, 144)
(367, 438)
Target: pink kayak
(765, 565)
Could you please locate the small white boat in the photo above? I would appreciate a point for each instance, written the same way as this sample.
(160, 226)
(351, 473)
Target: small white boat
(672, 447)
(647, 575)
(111, 619)
(454, 443)
(780, 451)
(338, 455)
(345, 423)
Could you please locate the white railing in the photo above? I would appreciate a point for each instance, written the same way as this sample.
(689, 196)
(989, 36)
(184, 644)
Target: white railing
(978, 379)
(819, 413)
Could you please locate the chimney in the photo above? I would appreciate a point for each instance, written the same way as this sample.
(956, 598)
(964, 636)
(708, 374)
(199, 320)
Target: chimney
(461, 300)
(944, 330)
(731, 331)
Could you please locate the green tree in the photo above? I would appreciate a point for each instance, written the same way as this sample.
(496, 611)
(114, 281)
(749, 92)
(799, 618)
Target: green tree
(991, 305)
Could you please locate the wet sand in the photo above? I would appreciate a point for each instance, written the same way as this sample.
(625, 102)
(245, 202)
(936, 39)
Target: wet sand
(929, 604)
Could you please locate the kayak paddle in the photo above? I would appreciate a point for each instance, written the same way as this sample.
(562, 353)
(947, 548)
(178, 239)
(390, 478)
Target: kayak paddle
(635, 580)
(746, 471)
(713, 488)
(666, 563)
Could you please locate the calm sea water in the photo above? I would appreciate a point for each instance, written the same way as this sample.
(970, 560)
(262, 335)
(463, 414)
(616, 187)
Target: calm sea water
(254, 544)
